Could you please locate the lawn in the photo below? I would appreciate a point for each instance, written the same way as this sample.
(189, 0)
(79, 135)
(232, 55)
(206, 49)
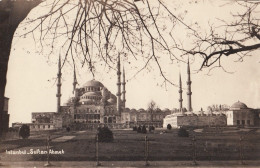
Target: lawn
(129, 145)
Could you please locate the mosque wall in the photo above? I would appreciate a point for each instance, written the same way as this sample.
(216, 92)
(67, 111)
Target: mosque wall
(218, 120)
(195, 121)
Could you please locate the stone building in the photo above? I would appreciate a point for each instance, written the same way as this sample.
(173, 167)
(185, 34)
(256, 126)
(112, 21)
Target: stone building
(186, 117)
(240, 115)
(135, 117)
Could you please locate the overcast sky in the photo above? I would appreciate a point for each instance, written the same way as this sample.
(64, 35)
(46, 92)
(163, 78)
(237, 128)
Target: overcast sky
(31, 80)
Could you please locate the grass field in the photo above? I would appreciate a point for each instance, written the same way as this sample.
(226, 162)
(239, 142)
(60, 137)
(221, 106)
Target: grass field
(210, 144)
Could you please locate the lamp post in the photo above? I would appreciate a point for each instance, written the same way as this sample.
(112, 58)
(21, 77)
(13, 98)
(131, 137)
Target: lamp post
(97, 159)
(194, 150)
(146, 151)
(48, 152)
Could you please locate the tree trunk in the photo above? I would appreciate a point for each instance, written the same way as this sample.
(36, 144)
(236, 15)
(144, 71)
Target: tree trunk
(11, 14)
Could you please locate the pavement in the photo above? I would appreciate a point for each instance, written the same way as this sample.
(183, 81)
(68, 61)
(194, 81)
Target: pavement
(164, 164)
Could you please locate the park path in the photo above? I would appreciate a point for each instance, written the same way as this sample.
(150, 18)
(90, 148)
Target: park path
(63, 139)
(164, 164)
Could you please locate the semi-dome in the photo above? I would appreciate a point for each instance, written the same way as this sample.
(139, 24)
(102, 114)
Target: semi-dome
(92, 94)
(86, 101)
(239, 105)
(93, 83)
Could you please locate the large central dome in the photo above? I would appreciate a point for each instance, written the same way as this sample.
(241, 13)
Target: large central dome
(93, 83)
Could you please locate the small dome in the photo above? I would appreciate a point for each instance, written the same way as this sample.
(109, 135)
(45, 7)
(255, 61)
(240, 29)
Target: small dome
(127, 109)
(238, 105)
(93, 83)
(111, 100)
(166, 110)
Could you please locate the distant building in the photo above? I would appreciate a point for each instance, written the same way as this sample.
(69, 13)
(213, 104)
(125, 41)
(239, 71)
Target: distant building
(135, 117)
(4, 117)
(186, 117)
(237, 115)
(240, 115)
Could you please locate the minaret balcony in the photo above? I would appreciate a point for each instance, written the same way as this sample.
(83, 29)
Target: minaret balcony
(58, 95)
(189, 82)
(189, 93)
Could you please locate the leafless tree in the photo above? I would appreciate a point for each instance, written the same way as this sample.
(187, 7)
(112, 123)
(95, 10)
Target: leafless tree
(240, 37)
(96, 31)
(152, 107)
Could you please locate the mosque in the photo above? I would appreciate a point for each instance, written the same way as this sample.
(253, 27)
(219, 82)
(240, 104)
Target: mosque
(93, 105)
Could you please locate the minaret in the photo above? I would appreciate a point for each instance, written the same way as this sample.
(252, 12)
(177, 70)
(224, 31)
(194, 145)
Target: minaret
(74, 82)
(180, 92)
(123, 92)
(58, 95)
(118, 86)
(189, 93)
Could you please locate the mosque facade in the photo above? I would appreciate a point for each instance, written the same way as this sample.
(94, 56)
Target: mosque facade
(93, 105)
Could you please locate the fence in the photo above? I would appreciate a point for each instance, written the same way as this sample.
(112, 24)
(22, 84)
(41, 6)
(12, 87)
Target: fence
(154, 146)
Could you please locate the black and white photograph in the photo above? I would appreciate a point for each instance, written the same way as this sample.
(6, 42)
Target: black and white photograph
(129, 83)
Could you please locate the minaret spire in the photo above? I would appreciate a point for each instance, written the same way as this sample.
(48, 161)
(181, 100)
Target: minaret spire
(180, 92)
(123, 85)
(58, 95)
(74, 81)
(118, 85)
(189, 93)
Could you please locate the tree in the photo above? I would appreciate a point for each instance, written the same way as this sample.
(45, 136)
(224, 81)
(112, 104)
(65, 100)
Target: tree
(88, 31)
(144, 131)
(105, 135)
(216, 107)
(151, 108)
(24, 131)
(139, 129)
(239, 37)
(8, 25)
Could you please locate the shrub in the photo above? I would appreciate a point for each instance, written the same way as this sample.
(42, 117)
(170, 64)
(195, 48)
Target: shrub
(151, 128)
(105, 135)
(24, 131)
(68, 129)
(134, 128)
(144, 131)
(139, 129)
(169, 126)
(182, 132)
